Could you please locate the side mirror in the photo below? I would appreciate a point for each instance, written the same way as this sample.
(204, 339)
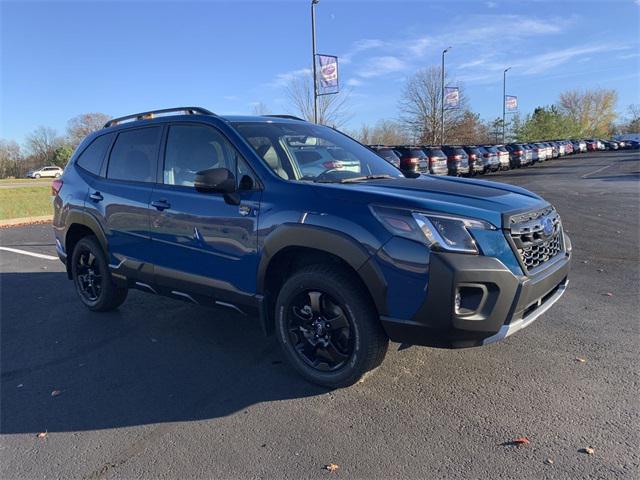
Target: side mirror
(215, 180)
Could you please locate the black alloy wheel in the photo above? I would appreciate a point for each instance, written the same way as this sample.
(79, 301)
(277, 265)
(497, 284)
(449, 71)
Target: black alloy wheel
(88, 275)
(320, 331)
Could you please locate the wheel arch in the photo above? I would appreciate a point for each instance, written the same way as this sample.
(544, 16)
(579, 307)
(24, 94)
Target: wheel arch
(79, 225)
(291, 247)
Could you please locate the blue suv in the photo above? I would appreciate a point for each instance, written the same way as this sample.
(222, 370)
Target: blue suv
(302, 227)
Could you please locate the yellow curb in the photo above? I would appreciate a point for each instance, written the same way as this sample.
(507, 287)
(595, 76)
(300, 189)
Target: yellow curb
(13, 222)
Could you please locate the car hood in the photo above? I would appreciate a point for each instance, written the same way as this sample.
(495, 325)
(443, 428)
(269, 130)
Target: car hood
(473, 198)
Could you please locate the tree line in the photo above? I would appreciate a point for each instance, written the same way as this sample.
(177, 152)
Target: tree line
(576, 114)
(44, 146)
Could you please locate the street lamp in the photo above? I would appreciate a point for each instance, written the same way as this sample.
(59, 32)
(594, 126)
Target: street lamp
(504, 99)
(442, 99)
(313, 54)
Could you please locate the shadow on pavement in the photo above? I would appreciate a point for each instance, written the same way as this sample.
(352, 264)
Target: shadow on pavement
(154, 360)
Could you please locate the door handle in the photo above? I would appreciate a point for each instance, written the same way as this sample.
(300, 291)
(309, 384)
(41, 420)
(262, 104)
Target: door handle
(161, 204)
(96, 197)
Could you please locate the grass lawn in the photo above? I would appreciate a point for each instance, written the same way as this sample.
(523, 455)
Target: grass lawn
(25, 201)
(39, 181)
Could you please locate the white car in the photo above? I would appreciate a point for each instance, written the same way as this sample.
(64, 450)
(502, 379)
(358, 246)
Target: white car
(45, 172)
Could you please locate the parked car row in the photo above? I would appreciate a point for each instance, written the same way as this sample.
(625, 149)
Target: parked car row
(470, 160)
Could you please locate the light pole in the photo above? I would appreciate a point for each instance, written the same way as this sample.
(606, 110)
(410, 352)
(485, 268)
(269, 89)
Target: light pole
(442, 99)
(313, 50)
(504, 99)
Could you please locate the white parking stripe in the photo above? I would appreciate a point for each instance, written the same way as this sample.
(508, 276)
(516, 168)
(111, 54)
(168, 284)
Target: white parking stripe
(597, 171)
(32, 254)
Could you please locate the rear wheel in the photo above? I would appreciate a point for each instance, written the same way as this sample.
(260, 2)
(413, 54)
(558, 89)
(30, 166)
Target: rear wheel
(92, 277)
(327, 326)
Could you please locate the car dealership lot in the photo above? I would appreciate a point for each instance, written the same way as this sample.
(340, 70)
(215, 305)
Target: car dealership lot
(163, 389)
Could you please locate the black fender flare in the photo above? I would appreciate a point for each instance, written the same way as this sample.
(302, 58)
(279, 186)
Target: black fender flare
(336, 243)
(86, 219)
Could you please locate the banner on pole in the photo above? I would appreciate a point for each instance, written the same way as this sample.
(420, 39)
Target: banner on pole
(511, 103)
(327, 68)
(451, 97)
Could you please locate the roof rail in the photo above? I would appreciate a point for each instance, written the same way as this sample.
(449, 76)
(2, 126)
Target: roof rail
(290, 117)
(152, 113)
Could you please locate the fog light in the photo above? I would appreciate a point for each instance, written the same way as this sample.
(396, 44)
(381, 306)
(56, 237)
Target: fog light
(469, 299)
(458, 301)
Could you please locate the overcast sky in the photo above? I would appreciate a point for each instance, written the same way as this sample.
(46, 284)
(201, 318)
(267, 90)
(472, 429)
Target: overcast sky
(60, 59)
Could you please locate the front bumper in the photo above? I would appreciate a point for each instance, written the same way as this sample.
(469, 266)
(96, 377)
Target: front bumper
(473, 300)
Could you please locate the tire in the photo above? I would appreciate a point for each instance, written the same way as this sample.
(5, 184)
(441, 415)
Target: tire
(36, 176)
(57, 175)
(361, 345)
(92, 277)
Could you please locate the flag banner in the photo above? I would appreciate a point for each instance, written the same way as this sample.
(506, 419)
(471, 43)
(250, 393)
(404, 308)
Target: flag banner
(511, 103)
(451, 97)
(327, 71)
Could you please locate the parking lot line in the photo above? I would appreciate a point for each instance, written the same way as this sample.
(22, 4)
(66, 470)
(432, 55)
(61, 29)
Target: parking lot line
(597, 171)
(32, 254)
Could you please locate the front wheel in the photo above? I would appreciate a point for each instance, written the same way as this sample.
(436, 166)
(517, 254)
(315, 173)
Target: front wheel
(36, 176)
(327, 326)
(92, 277)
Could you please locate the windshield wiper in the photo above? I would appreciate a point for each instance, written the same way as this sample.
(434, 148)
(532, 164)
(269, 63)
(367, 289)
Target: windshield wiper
(362, 179)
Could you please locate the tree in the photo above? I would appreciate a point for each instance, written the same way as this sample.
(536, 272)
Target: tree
(591, 113)
(10, 159)
(469, 130)
(62, 154)
(544, 124)
(332, 109)
(421, 104)
(632, 123)
(261, 109)
(42, 143)
(385, 132)
(82, 125)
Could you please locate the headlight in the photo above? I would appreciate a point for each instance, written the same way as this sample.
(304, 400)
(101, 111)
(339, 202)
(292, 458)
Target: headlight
(437, 231)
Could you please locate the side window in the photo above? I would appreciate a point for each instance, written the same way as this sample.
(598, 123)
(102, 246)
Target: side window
(245, 177)
(92, 157)
(192, 148)
(134, 154)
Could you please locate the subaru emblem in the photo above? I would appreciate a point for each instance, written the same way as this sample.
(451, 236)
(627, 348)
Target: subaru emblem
(547, 226)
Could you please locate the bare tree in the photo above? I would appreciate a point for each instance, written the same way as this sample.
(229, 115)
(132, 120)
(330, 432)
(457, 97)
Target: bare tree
(592, 112)
(261, 109)
(82, 125)
(10, 159)
(42, 144)
(332, 109)
(421, 104)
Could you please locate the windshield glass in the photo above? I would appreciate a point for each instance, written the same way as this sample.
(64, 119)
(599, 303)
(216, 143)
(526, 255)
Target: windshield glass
(316, 153)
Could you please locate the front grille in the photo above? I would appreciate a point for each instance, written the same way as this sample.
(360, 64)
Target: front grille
(537, 237)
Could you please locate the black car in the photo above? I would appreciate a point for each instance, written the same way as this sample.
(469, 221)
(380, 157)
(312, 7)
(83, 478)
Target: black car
(517, 155)
(413, 160)
(457, 160)
(475, 159)
(387, 153)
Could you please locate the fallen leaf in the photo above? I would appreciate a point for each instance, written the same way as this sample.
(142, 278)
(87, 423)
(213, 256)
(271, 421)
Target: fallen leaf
(607, 294)
(521, 441)
(55, 393)
(42, 434)
(332, 467)
(588, 450)
(585, 261)
(601, 269)
(549, 461)
(581, 360)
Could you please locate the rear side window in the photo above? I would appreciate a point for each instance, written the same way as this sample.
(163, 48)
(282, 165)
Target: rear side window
(436, 152)
(92, 157)
(134, 155)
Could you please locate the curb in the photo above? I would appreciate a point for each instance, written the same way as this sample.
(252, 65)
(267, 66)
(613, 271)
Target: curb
(15, 222)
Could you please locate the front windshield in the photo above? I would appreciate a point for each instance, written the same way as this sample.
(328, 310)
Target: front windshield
(315, 153)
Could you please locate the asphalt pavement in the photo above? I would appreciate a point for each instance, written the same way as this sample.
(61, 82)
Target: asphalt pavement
(164, 389)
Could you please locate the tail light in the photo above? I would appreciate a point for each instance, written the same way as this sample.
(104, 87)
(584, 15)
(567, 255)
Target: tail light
(56, 186)
(455, 157)
(332, 165)
(518, 152)
(410, 161)
(472, 156)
